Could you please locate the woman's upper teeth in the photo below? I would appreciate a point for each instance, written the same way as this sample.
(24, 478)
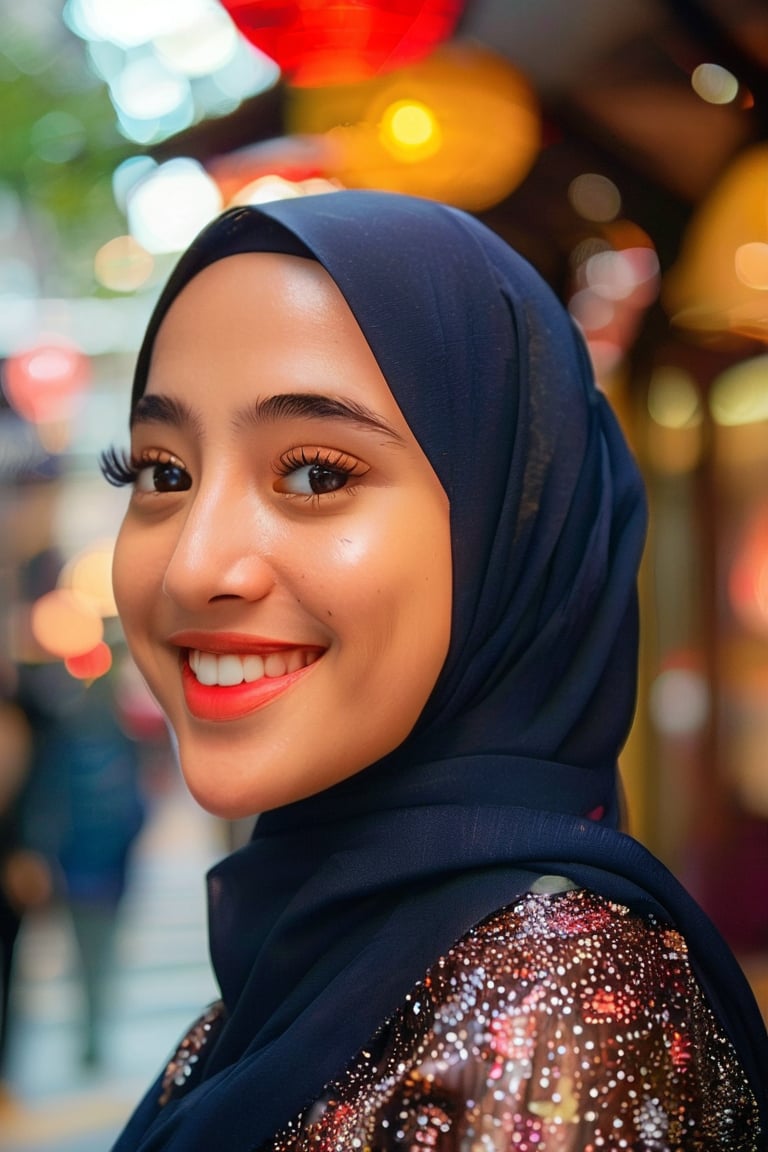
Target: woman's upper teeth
(229, 669)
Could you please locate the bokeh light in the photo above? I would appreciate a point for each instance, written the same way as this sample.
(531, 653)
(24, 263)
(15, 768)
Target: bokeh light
(65, 624)
(714, 84)
(410, 131)
(450, 93)
(170, 206)
(199, 47)
(168, 64)
(265, 189)
(146, 90)
(130, 23)
(89, 576)
(128, 175)
(42, 383)
(673, 399)
(595, 197)
(675, 431)
(58, 137)
(679, 702)
(750, 262)
(612, 287)
(90, 665)
(740, 394)
(122, 265)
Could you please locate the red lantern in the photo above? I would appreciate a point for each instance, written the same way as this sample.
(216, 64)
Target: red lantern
(318, 42)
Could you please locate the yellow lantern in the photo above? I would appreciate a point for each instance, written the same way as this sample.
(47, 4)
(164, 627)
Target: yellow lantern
(720, 282)
(461, 126)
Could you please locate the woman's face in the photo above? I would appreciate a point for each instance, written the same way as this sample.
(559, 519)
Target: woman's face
(283, 572)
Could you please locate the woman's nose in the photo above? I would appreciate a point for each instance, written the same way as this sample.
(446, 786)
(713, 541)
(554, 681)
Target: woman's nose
(220, 553)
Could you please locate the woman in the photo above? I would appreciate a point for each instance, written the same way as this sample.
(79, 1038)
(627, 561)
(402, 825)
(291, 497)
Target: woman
(379, 569)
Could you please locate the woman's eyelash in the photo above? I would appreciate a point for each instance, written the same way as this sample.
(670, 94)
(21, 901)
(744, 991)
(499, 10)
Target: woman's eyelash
(118, 467)
(301, 458)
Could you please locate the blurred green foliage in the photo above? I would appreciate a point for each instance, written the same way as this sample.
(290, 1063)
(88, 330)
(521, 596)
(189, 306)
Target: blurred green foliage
(59, 142)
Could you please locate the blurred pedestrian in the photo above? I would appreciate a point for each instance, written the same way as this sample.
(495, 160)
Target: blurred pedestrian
(24, 876)
(83, 811)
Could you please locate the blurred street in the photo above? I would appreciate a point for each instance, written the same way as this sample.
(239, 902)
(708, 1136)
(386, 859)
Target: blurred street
(162, 981)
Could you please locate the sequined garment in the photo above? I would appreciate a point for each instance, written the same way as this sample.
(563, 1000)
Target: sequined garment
(561, 1024)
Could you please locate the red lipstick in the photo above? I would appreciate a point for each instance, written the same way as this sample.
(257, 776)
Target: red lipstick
(231, 702)
(223, 702)
(241, 643)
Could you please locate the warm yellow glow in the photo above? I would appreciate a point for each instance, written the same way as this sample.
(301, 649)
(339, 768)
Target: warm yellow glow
(740, 394)
(122, 265)
(89, 575)
(65, 624)
(673, 399)
(476, 117)
(714, 84)
(717, 282)
(409, 130)
(751, 263)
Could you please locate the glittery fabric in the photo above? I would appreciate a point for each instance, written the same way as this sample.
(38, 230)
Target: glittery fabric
(562, 1024)
(181, 1068)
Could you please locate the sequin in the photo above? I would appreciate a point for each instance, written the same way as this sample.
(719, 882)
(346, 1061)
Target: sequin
(561, 1024)
(181, 1066)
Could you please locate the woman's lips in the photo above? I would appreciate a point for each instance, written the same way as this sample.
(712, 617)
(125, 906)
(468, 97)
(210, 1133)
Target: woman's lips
(228, 685)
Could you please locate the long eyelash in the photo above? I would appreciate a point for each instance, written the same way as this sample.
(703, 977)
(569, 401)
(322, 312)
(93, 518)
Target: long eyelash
(117, 467)
(300, 458)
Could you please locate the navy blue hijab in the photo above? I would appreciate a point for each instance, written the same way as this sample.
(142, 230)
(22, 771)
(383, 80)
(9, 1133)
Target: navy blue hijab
(320, 926)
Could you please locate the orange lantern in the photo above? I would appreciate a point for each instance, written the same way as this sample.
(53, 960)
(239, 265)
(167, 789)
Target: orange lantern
(319, 42)
(42, 383)
(416, 131)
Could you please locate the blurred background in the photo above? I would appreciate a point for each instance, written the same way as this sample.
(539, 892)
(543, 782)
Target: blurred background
(623, 149)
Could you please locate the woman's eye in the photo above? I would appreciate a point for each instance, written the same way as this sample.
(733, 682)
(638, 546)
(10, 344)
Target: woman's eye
(314, 480)
(163, 476)
(316, 471)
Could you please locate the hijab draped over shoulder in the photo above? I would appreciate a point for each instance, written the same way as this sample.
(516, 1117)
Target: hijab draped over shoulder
(322, 924)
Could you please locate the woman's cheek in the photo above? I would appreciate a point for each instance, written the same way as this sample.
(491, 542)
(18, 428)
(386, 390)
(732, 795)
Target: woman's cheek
(137, 577)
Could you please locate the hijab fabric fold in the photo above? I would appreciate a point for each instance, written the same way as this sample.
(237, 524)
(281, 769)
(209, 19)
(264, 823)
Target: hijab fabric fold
(322, 924)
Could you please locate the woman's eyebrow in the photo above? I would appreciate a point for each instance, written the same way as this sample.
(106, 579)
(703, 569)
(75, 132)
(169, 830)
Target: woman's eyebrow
(156, 409)
(311, 406)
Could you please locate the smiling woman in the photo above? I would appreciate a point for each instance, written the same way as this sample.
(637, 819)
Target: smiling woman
(281, 548)
(379, 569)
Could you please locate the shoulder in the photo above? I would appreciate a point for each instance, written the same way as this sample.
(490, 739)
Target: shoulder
(589, 954)
(563, 962)
(567, 1011)
(561, 1021)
